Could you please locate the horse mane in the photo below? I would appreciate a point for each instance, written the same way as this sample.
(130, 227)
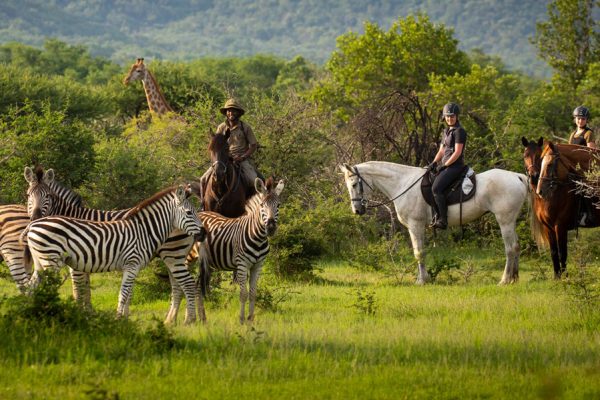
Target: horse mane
(217, 143)
(145, 203)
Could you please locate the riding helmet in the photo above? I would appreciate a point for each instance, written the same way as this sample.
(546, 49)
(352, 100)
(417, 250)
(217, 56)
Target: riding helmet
(451, 109)
(582, 112)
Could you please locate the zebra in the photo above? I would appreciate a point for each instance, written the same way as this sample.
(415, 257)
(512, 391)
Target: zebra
(14, 218)
(127, 244)
(173, 252)
(238, 244)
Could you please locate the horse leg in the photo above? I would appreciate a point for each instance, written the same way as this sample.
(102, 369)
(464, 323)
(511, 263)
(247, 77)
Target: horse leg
(511, 249)
(549, 232)
(562, 236)
(417, 234)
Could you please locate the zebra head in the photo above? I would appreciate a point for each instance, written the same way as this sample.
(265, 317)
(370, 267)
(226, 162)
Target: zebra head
(186, 217)
(269, 202)
(39, 195)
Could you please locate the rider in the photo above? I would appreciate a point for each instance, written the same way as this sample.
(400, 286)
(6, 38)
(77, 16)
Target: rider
(452, 163)
(242, 142)
(583, 135)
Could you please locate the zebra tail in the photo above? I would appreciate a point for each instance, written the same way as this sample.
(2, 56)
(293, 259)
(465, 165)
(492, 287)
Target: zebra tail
(204, 277)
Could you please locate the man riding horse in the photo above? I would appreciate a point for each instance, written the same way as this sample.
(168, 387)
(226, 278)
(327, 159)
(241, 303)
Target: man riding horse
(242, 143)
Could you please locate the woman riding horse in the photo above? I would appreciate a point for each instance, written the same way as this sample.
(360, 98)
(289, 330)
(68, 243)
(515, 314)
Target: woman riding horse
(452, 163)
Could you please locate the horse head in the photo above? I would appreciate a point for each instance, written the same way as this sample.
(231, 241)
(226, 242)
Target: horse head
(358, 188)
(532, 157)
(219, 156)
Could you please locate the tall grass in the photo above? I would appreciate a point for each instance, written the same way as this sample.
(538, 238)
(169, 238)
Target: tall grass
(453, 339)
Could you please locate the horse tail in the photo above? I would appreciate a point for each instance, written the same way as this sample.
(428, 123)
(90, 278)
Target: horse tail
(535, 224)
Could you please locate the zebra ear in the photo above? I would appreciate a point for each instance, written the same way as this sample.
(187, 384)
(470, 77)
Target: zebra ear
(49, 176)
(180, 193)
(29, 175)
(259, 185)
(279, 187)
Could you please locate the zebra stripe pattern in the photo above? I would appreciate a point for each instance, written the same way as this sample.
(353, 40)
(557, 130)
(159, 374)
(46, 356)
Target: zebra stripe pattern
(240, 244)
(42, 196)
(13, 220)
(127, 244)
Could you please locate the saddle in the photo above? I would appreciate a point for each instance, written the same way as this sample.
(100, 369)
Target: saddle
(461, 190)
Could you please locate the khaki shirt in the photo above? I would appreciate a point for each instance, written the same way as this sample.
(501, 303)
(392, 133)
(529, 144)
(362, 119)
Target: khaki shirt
(587, 135)
(240, 139)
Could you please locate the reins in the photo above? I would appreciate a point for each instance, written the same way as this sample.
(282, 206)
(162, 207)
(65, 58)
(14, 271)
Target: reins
(365, 202)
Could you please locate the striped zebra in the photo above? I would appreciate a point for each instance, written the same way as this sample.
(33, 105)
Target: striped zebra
(14, 219)
(239, 244)
(127, 244)
(173, 252)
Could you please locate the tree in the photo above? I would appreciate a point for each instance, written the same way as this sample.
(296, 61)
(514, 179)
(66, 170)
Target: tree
(365, 66)
(569, 40)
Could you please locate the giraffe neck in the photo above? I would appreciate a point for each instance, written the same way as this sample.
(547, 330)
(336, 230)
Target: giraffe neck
(156, 100)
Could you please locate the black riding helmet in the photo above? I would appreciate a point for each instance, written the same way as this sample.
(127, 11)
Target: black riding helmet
(581, 112)
(451, 109)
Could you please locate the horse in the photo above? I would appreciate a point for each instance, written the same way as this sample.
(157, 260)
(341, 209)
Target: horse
(225, 191)
(498, 191)
(557, 207)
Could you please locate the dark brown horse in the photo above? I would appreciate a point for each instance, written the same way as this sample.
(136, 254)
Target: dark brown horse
(225, 191)
(557, 208)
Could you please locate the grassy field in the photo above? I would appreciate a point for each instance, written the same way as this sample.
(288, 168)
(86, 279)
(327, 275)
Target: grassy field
(347, 334)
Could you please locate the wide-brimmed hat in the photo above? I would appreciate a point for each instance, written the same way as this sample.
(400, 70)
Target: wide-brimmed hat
(232, 103)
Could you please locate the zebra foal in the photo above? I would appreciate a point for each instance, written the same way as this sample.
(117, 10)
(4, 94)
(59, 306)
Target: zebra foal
(127, 244)
(238, 244)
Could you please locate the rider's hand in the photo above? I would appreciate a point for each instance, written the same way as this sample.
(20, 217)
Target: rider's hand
(441, 168)
(431, 167)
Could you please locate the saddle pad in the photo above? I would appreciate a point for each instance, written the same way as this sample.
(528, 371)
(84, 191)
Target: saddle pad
(455, 192)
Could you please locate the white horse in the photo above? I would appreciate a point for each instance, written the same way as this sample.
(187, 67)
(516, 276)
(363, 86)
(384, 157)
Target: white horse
(498, 191)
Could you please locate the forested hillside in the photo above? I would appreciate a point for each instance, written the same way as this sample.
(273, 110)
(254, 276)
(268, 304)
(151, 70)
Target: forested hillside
(188, 29)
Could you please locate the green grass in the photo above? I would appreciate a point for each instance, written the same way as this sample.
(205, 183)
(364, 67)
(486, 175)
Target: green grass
(458, 338)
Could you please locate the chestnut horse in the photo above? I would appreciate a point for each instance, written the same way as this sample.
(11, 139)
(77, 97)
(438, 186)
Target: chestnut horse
(553, 172)
(225, 191)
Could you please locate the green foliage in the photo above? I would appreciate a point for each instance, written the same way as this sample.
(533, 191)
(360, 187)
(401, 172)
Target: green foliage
(365, 302)
(47, 138)
(20, 87)
(58, 58)
(569, 41)
(365, 65)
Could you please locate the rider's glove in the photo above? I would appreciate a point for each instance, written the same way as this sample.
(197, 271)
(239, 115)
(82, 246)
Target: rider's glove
(431, 167)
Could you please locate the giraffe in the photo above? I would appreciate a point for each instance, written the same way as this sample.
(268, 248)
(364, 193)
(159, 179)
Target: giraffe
(156, 100)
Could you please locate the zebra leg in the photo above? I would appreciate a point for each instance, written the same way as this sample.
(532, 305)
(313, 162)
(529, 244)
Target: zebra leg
(81, 288)
(241, 280)
(129, 275)
(186, 283)
(176, 296)
(254, 274)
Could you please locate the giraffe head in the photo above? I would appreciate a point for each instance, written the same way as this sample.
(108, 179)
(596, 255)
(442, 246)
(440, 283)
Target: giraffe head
(136, 73)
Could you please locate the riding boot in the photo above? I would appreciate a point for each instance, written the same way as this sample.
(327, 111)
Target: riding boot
(441, 222)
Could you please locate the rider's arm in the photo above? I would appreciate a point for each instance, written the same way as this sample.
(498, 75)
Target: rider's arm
(439, 154)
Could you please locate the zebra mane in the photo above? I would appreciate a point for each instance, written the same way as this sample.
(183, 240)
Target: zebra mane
(145, 203)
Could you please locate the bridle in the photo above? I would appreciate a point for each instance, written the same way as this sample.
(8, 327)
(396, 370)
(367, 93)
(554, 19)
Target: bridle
(364, 202)
(553, 178)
